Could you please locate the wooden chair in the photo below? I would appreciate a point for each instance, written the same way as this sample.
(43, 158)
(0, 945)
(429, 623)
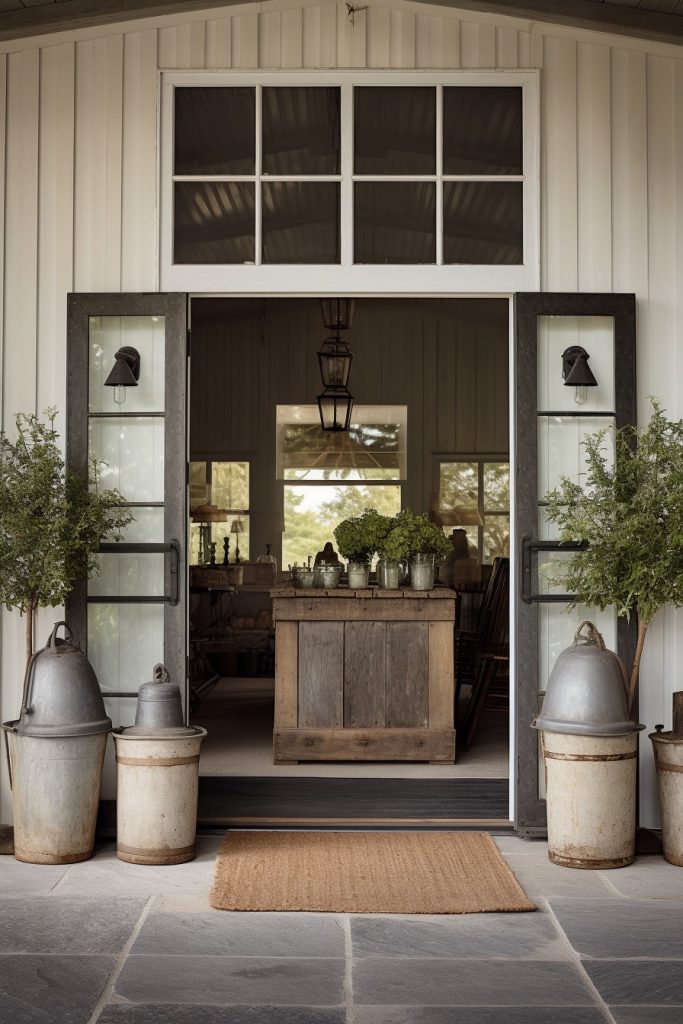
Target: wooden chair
(482, 655)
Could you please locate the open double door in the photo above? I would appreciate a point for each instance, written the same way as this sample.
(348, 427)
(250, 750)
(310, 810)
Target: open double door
(135, 613)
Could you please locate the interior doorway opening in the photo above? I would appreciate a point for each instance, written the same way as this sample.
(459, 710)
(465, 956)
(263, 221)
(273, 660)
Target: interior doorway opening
(444, 364)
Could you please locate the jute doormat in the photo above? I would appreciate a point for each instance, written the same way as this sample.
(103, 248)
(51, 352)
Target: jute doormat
(365, 873)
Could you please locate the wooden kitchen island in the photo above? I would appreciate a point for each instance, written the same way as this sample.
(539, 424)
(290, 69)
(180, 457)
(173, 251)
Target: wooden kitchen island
(364, 675)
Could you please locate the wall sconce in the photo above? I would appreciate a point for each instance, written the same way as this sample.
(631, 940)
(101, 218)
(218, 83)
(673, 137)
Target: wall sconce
(337, 313)
(125, 373)
(576, 372)
(237, 528)
(335, 405)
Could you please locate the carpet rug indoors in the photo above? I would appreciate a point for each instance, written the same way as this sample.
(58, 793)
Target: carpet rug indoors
(365, 873)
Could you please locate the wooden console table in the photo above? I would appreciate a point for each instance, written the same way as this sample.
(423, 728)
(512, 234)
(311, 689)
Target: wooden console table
(364, 675)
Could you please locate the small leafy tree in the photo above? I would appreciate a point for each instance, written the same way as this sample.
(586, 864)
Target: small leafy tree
(360, 537)
(51, 521)
(631, 516)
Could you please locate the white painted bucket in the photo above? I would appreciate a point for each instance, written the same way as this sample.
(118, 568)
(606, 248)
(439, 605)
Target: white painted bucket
(668, 750)
(591, 799)
(156, 802)
(55, 790)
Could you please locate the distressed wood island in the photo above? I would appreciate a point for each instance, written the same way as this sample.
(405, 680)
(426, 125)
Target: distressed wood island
(364, 675)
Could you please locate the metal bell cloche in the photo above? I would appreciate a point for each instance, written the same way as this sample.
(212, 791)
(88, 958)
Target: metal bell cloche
(159, 703)
(587, 690)
(62, 696)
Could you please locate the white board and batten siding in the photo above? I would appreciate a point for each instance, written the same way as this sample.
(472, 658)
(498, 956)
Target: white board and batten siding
(79, 188)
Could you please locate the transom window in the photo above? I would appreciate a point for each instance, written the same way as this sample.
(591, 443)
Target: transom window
(403, 174)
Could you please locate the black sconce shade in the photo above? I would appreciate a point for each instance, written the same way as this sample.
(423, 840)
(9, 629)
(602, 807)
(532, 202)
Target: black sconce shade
(126, 369)
(335, 363)
(575, 369)
(335, 405)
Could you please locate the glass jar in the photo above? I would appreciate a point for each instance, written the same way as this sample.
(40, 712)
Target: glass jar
(388, 573)
(359, 573)
(269, 560)
(330, 576)
(422, 571)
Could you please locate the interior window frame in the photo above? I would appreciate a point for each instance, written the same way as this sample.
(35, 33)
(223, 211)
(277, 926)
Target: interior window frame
(481, 459)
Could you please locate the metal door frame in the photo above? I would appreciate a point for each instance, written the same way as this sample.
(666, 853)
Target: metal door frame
(173, 306)
(530, 811)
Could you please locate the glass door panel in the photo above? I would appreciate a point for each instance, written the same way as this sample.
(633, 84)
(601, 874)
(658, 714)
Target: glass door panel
(132, 615)
(553, 418)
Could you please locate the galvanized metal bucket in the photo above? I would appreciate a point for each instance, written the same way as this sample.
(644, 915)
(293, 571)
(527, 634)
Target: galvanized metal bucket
(56, 751)
(157, 790)
(590, 749)
(668, 751)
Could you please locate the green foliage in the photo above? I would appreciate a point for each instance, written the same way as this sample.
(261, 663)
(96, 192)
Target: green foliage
(412, 533)
(631, 515)
(360, 537)
(51, 522)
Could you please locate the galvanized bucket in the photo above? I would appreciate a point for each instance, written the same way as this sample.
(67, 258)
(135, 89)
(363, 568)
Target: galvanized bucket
(56, 751)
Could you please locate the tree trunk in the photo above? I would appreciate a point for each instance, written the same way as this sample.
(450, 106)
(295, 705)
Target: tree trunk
(635, 668)
(30, 613)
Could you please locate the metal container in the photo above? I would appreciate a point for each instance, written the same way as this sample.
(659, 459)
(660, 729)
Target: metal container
(303, 577)
(157, 772)
(157, 788)
(668, 751)
(56, 750)
(61, 694)
(591, 799)
(590, 749)
(587, 690)
(358, 574)
(159, 703)
(330, 576)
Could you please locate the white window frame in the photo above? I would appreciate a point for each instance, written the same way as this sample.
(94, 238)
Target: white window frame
(346, 277)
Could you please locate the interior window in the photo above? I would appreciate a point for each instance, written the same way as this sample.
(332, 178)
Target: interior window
(219, 511)
(474, 495)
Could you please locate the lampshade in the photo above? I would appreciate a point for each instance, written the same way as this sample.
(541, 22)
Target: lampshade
(237, 526)
(457, 515)
(126, 369)
(575, 369)
(208, 514)
(335, 405)
(337, 313)
(335, 362)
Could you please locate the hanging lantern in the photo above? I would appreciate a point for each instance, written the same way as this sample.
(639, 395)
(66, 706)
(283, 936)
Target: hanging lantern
(335, 362)
(337, 313)
(335, 405)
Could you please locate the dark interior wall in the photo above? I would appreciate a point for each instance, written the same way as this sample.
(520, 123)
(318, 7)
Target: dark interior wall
(447, 360)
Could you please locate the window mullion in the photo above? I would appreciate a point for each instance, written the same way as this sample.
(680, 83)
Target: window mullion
(346, 167)
(439, 175)
(258, 156)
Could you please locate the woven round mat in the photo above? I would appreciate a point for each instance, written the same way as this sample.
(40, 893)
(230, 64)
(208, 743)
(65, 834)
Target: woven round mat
(365, 873)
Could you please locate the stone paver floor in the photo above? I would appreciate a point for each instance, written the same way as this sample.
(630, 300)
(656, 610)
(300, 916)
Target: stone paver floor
(114, 943)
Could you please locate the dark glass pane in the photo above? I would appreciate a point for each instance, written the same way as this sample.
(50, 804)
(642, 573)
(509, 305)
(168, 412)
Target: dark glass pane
(214, 131)
(394, 130)
(482, 222)
(482, 130)
(394, 222)
(300, 221)
(213, 222)
(300, 130)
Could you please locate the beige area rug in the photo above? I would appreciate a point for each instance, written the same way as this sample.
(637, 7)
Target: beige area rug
(365, 873)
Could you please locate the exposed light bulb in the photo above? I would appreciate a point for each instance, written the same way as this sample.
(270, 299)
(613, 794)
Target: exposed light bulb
(581, 394)
(120, 394)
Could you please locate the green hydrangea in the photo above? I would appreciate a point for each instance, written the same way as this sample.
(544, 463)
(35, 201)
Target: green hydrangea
(412, 533)
(360, 537)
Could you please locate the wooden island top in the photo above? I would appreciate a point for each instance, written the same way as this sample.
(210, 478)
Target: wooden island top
(364, 674)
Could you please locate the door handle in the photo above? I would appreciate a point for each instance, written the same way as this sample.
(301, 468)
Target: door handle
(529, 547)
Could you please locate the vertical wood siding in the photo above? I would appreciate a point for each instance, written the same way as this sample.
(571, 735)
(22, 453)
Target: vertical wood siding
(78, 186)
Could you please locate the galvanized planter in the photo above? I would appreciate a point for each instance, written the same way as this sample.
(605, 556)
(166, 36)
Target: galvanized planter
(668, 751)
(590, 749)
(56, 751)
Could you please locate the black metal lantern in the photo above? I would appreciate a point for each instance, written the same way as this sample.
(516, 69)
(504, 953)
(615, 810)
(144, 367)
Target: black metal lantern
(335, 362)
(335, 405)
(337, 313)
(125, 373)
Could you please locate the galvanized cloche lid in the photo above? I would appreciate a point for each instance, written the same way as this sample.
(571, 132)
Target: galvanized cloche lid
(61, 694)
(159, 709)
(587, 690)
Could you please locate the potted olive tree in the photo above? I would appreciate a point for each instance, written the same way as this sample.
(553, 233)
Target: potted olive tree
(629, 512)
(359, 538)
(415, 537)
(51, 521)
